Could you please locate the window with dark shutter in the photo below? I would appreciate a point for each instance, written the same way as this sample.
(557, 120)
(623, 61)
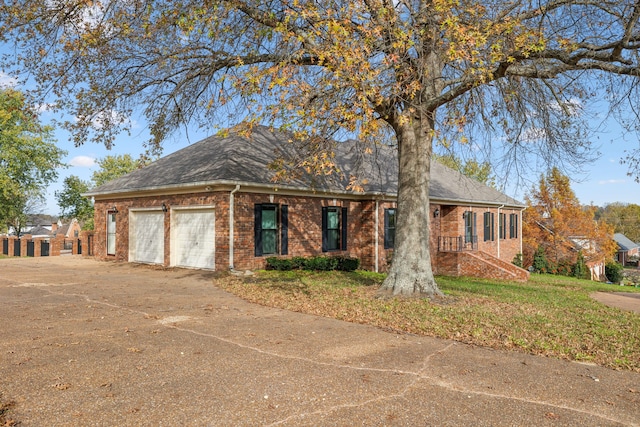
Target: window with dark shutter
(389, 228)
(513, 226)
(268, 220)
(489, 226)
(334, 230)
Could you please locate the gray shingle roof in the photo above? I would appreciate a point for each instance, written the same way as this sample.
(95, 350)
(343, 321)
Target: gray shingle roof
(244, 160)
(624, 242)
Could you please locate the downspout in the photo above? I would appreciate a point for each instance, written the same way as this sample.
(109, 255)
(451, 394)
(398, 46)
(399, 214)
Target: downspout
(231, 222)
(376, 236)
(500, 229)
(520, 230)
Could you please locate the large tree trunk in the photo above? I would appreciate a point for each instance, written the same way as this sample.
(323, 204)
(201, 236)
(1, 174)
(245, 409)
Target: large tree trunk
(411, 272)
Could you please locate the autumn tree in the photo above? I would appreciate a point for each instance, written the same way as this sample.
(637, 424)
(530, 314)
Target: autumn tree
(28, 159)
(412, 73)
(557, 225)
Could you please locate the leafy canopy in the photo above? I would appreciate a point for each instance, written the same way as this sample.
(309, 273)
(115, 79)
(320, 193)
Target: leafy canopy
(29, 157)
(112, 167)
(71, 201)
(518, 76)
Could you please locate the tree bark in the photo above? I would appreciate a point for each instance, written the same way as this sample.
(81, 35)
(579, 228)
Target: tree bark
(411, 272)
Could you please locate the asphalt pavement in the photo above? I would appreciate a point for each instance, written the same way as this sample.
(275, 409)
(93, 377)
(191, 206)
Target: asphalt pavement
(88, 343)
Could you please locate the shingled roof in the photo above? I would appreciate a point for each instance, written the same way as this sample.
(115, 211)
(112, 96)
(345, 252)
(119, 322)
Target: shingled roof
(236, 159)
(624, 243)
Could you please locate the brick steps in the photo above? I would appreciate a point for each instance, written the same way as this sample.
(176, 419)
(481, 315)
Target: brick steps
(478, 264)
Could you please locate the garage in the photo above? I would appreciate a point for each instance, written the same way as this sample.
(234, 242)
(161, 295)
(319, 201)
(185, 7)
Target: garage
(146, 236)
(193, 237)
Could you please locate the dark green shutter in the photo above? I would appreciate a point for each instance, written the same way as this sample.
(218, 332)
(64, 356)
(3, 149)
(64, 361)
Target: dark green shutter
(257, 229)
(324, 228)
(284, 230)
(344, 229)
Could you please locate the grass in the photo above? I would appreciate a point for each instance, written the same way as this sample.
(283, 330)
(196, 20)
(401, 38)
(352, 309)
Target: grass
(549, 315)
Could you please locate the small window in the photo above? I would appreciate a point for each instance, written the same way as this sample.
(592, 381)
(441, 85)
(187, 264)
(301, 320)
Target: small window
(334, 229)
(389, 228)
(513, 226)
(469, 226)
(489, 233)
(271, 229)
(111, 233)
(503, 226)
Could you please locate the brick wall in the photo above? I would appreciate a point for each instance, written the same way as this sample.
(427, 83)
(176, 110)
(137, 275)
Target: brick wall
(304, 231)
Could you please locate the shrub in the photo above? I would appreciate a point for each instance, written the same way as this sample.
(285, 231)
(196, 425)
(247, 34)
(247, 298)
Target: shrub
(580, 269)
(540, 263)
(614, 271)
(280, 264)
(316, 263)
(348, 263)
(517, 260)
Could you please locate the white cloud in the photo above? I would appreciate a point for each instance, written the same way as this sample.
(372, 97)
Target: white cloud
(103, 118)
(83, 161)
(7, 81)
(45, 108)
(611, 181)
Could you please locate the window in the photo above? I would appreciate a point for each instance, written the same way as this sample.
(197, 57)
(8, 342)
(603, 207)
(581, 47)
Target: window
(469, 226)
(111, 233)
(389, 228)
(503, 226)
(271, 229)
(334, 229)
(513, 226)
(489, 234)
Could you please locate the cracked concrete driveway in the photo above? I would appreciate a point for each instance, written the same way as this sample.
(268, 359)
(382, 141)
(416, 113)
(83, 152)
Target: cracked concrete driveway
(103, 344)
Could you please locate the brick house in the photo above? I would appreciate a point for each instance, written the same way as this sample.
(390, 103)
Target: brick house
(627, 249)
(214, 205)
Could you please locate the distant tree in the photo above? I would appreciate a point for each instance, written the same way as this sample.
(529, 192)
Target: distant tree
(28, 158)
(625, 219)
(72, 203)
(22, 209)
(472, 168)
(556, 223)
(112, 167)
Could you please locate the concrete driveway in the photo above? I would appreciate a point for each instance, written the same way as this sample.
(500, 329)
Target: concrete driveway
(86, 343)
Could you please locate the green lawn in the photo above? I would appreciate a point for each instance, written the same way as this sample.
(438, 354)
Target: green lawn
(550, 315)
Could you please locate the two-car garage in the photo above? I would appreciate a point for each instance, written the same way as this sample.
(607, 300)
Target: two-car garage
(192, 236)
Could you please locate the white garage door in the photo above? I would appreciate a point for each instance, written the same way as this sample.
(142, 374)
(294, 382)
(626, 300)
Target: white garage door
(146, 237)
(193, 238)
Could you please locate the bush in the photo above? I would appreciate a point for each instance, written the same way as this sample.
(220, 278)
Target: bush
(280, 264)
(348, 263)
(316, 263)
(540, 263)
(580, 269)
(517, 260)
(614, 271)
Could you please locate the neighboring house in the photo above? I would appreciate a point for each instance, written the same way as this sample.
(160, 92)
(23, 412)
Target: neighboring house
(626, 249)
(214, 205)
(595, 262)
(39, 231)
(70, 230)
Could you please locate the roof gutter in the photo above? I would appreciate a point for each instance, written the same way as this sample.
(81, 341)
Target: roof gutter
(231, 225)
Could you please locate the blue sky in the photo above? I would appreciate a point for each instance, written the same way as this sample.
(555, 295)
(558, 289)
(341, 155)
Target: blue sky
(605, 180)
